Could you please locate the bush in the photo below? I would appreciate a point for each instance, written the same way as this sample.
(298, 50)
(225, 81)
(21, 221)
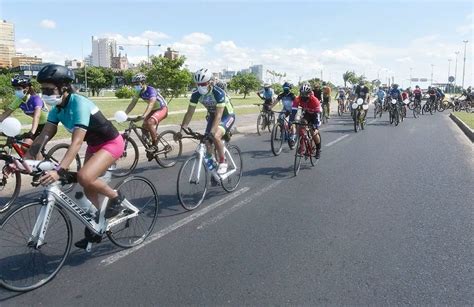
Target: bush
(125, 92)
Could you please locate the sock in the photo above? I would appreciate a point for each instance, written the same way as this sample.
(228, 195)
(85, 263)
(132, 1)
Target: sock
(318, 146)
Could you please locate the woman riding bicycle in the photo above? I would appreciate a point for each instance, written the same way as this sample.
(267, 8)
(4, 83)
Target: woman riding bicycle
(30, 103)
(85, 121)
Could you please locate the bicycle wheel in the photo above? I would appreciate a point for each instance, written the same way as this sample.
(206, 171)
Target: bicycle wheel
(356, 121)
(298, 155)
(9, 187)
(312, 145)
(191, 185)
(270, 122)
(375, 111)
(415, 111)
(277, 139)
(22, 266)
(169, 149)
(57, 153)
(230, 183)
(339, 109)
(259, 123)
(129, 159)
(141, 193)
(396, 118)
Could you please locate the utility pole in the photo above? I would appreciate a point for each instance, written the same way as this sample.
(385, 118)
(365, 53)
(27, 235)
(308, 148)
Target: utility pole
(456, 71)
(411, 69)
(147, 45)
(464, 65)
(449, 70)
(432, 65)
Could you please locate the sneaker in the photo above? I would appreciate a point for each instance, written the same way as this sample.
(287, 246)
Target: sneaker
(89, 238)
(318, 153)
(222, 169)
(114, 207)
(151, 149)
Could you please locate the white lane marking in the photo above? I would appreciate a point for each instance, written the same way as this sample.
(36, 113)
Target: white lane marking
(109, 260)
(336, 140)
(245, 201)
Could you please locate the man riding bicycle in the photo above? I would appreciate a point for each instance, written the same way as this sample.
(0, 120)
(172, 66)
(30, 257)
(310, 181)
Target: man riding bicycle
(85, 121)
(220, 117)
(417, 94)
(267, 95)
(155, 112)
(341, 97)
(432, 92)
(327, 99)
(287, 98)
(311, 108)
(380, 96)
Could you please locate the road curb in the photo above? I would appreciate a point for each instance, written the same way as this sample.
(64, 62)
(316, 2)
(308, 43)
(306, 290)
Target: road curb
(465, 128)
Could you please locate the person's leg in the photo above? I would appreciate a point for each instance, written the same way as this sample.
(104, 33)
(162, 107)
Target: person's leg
(151, 124)
(155, 118)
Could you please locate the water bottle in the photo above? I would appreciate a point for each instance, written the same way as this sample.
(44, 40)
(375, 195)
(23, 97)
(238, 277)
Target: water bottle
(210, 163)
(85, 204)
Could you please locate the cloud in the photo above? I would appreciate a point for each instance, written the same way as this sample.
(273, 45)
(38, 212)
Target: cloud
(404, 59)
(48, 24)
(467, 28)
(32, 48)
(197, 38)
(142, 39)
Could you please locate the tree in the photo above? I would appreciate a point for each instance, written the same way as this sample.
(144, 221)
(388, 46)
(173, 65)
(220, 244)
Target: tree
(245, 83)
(169, 76)
(349, 76)
(96, 80)
(6, 89)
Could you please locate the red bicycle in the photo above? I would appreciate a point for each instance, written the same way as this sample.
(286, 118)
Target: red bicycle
(305, 146)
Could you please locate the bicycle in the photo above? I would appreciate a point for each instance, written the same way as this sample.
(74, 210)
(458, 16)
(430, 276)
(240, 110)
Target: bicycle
(265, 120)
(280, 134)
(358, 108)
(378, 109)
(11, 188)
(403, 109)
(36, 238)
(168, 149)
(194, 173)
(340, 107)
(394, 113)
(325, 115)
(416, 108)
(305, 146)
(428, 107)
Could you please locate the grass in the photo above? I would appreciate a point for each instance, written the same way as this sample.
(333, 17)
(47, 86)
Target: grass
(467, 118)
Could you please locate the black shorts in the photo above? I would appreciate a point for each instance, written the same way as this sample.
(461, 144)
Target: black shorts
(313, 118)
(38, 131)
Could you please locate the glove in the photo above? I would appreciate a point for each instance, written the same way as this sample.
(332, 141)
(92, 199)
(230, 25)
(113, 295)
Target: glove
(27, 135)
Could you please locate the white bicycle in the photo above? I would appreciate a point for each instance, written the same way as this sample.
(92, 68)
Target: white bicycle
(36, 238)
(193, 175)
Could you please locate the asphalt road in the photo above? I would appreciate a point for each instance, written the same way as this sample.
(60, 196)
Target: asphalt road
(385, 217)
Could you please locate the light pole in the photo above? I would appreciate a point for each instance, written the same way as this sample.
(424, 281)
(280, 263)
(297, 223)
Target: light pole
(456, 71)
(432, 65)
(449, 69)
(147, 45)
(464, 64)
(411, 69)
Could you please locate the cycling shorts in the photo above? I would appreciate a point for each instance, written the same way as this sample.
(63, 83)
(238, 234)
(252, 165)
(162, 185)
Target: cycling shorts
(38, 131)
(159, 115)
(313, 118)
(227, 121)
(115, 147)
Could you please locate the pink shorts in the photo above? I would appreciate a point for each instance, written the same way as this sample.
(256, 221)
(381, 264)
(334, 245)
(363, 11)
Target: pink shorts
(115, 147)
(159, 115)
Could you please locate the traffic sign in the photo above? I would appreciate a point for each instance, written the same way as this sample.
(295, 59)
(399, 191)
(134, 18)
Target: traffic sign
(451, 79)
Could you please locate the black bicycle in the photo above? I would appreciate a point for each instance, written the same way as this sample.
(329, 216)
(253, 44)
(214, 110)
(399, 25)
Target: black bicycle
(166, 153)
(280, 134)
(265, 120)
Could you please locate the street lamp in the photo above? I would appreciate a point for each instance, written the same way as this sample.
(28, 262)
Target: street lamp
(456, 71)
(411, 69)
(449, 69)
(147, 45)
(464, 65)
(432, 65)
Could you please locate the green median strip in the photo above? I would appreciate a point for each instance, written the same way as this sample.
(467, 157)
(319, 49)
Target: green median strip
(467, 118)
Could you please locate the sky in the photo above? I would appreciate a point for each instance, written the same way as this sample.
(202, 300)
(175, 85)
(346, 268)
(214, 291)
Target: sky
(379, 39)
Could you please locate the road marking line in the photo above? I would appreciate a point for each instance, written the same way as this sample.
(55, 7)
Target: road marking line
(336, 140)
(245, 201)
(110, 260)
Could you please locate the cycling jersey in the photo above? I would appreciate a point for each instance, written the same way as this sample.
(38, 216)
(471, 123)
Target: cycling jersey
(80, 112)
(395, 93)
(439, 93)
(326, 93)
(216, 98)
(342, 94)
(417, 93)
(267, 94)
(30, 106)
(318, 93)
(381, 95)
(150, 93)
(404, 95)
(311, 105)
(361, 91)
(287, 100)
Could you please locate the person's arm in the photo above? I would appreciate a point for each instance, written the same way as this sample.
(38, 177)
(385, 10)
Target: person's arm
(36, 118)
(47, 134)
(78, 136)
(149, 107)
(217, 119)
(131, 105)
(188, 116)
(5, 114)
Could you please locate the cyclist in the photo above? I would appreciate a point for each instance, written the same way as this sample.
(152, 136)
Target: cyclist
(221, 115)
(404, 95)
(267, 95)
(362, 91)
(287, 98)
(311, 108)
(341, 97)
(380, 96)
(440, 94)
(467, 93)
(30, 103)
(85, 121)
(432, 93)
(155, 112)
(318, 92)
(327, 98)
(417, 94)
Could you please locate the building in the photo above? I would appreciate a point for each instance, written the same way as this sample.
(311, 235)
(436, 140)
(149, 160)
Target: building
(28, 70)
(227, 74)
(88, 60)
(7, 43)
(73, 64)
(217, 75)
(120, 62)
(171, 54)
(245, 71)
(103, 50)
(22, 59)
(257, 70)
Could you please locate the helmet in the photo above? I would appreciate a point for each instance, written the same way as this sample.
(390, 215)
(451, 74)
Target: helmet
(221, 84)
(429, 87)
(202, 75)
(138, 78)
(56, 74)
(286, 84)
(305, 89)
(21, 81)
(361, 82)
(417, 86)
(266, 85)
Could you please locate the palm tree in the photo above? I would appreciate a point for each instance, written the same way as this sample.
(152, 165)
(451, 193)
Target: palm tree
(349, 76)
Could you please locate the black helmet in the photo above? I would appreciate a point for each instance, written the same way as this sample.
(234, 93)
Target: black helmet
(286, 84)
(21, 81)
(56, 74)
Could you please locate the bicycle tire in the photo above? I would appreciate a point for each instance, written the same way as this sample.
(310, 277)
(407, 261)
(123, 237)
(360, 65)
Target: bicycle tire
(277, 139)
(312, 144)
(6, 202)
(167, 140)
(297, 163)
(397, 118)
(339, 110)
(356, 122)
(259, 122)
(228, 184)
(148, 209)
(270, 122)
(123, 166)
(50, 155)
(183, 200)
(20, 268)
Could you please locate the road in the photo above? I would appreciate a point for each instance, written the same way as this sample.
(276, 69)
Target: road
(385, 217)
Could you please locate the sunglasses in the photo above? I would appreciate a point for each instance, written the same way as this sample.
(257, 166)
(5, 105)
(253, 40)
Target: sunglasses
(48, 90)
(203, 84)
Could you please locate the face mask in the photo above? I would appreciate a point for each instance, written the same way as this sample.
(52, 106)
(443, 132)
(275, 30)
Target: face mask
(20, 94)
(203, 90)
(286, 89)
(138, 88)
(52, 100)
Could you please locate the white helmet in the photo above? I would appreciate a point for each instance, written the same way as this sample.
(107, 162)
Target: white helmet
(305, 89)
(202, 75)
(138, 78)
